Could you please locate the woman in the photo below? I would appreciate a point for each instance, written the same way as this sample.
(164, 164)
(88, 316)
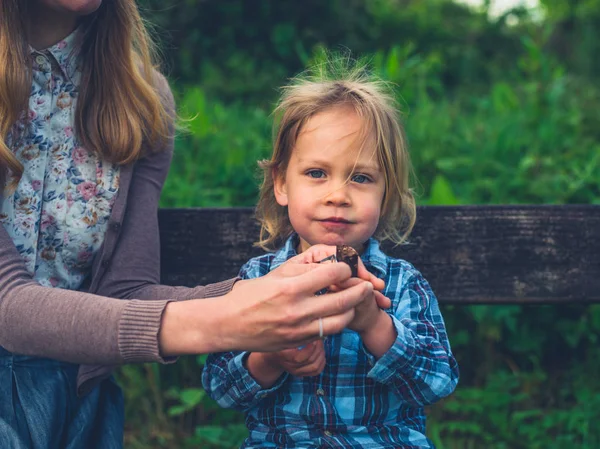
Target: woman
(85, 144)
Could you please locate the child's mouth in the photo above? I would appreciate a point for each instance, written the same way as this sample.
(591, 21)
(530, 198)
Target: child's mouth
(337, 220)
(335, 223)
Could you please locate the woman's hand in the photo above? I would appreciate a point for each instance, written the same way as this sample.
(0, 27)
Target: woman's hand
(282, 311)
(274, 312)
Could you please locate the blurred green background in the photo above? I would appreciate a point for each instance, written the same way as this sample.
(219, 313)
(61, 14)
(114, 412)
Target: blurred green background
(499, 109)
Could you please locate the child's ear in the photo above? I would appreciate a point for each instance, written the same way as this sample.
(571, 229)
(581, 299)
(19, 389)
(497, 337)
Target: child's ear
(279, 188)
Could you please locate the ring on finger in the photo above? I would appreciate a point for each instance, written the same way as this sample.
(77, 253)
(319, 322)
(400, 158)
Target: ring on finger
(321, 328)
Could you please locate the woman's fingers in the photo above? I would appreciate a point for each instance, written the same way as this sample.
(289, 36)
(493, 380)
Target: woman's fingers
(336, 310)
(314, 254)
(339, 302)
(334, 324)
(292, 269)
(320, 277)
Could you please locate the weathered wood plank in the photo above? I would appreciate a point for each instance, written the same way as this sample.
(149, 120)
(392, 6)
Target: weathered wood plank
(469, 254)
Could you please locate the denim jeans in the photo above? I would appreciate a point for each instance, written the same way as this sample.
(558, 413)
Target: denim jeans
(39, 407)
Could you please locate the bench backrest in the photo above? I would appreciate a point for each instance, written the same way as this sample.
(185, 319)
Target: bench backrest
(469, 254)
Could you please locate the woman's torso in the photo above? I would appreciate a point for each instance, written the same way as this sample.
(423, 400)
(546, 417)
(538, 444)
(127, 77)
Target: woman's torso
(58, 213)
(56, 217)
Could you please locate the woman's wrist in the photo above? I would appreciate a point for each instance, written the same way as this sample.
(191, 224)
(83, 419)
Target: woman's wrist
(192, 327)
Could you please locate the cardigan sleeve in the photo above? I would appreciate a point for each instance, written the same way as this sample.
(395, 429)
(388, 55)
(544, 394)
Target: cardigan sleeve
(55, 323)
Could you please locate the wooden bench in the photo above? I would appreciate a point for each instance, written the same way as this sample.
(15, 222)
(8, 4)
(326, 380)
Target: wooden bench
(469, 254)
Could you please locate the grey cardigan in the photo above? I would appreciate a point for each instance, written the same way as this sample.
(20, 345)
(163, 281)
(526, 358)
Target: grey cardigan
(82, 327)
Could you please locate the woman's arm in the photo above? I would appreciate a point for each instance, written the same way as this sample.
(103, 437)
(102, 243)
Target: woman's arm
(274, 312)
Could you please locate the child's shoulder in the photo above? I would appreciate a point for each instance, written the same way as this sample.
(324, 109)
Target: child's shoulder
(407, 269)
(261, 265)
(257, 266)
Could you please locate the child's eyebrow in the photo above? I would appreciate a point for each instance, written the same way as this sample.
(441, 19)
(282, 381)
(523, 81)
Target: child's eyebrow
(366, 167)
(312, 161)
(327, 164)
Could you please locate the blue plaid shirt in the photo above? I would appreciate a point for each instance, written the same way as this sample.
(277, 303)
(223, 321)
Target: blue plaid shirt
(358, 401)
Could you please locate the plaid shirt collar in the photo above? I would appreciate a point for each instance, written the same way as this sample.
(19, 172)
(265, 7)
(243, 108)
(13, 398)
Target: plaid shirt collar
(373, 258)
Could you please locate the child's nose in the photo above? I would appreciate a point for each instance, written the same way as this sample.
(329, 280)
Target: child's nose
(339, 196)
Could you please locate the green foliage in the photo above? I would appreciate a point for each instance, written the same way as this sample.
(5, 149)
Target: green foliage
(494, 113)
(534, 140)
(215, 160)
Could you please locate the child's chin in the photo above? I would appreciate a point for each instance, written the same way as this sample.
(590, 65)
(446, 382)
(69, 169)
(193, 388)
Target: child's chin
(335, 241)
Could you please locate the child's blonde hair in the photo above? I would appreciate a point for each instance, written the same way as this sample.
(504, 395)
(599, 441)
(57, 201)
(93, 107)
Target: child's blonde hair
(340, 81)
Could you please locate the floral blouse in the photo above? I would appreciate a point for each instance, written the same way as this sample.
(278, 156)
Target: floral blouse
(58, 214)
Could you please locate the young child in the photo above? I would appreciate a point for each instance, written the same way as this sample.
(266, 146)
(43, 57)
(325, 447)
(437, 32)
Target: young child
(339, 175)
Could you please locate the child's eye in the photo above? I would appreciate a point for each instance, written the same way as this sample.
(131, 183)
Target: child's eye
(316, 174)
(361, 179)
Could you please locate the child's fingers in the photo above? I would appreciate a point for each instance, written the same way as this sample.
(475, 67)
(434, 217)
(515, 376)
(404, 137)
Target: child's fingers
(299, 357)
(314, 368)
(318, 353)
(363, 273)
(317, 364)
(308, 355)
(382, 301)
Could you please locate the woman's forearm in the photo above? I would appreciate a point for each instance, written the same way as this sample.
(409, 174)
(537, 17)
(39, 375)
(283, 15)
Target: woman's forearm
(270, 313)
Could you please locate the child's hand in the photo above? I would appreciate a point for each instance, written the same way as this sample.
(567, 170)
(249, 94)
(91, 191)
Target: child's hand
(374, 325)
(305, 362)
(366, 315)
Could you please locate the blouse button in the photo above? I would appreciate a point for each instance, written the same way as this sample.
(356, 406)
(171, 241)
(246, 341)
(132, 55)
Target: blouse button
(116, 226)
(40, 59)
(320, 392)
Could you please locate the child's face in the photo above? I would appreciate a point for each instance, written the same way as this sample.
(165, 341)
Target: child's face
(333, 189)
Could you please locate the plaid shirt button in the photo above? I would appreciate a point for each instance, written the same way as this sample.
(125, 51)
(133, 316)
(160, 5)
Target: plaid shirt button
(320, 392)
(328, 433)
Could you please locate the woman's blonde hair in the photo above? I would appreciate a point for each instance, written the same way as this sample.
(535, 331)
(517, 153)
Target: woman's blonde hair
(340, 81)
(119, 108)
